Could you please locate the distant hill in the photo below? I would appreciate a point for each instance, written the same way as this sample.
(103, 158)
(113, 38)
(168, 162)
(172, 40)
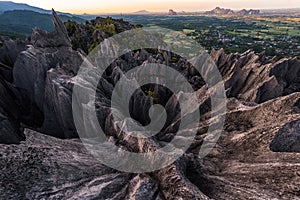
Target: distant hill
(9, 5)
(19, 23)
(220, 11)
(142, 12)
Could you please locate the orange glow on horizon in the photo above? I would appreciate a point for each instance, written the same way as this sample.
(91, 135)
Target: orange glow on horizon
(162, 7)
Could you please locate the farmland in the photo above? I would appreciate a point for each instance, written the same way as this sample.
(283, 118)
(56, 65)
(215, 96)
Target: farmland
(276, 35)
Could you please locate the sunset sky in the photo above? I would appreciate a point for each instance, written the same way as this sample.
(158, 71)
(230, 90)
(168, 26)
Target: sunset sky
(125, 6)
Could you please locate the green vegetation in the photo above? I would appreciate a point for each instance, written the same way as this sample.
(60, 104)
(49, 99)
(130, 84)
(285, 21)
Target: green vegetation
(277, 35)
(152, 94)
(188, 31)
(90, 34)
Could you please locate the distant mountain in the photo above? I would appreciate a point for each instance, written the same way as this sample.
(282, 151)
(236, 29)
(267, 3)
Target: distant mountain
(223, 11)
(220, 11)
(19, 23)
(142, 12)
(9, 5)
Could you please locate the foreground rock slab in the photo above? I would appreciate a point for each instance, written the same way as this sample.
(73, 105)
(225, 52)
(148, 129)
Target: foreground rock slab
(48, 168)
(241, 166)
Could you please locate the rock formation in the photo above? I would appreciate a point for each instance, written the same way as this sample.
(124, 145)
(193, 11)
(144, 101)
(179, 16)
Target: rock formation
(220, 11)
(172, 12)
(248, 12)
(38, 75)
(254, 78)
(223, 11)
(10, 116)
(9, 50)
(249, 161)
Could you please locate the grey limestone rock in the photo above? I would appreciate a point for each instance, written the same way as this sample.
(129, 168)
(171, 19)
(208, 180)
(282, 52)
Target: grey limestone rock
(262, 106)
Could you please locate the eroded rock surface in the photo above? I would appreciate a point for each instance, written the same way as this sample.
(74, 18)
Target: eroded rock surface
(254, 78)
(48, 168)
(41, 75)
(241, 166)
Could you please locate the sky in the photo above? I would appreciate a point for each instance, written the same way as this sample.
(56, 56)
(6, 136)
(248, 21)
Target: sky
(127, 6)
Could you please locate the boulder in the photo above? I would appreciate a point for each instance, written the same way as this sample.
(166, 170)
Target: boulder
(287, 139)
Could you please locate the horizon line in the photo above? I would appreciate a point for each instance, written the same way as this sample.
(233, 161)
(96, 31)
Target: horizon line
(178, 11)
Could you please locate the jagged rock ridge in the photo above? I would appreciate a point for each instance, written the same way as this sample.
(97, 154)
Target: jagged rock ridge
(223, 11)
